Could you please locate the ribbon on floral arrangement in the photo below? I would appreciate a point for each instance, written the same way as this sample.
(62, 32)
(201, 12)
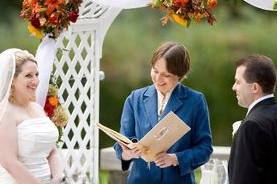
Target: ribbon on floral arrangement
(124, 4)
(45, 56)
(270, 5)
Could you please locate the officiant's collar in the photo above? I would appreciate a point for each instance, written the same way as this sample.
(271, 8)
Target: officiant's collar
(167, 95)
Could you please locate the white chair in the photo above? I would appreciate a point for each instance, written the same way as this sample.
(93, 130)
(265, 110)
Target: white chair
(214, 172)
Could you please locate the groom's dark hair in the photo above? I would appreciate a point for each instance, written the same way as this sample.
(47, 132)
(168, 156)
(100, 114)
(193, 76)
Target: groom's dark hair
(259, 69)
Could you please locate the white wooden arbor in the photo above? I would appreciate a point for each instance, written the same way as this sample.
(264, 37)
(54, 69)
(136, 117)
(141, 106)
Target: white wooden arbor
(76, 66)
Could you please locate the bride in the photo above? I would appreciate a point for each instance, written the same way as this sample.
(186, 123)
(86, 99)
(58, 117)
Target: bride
(28, 153)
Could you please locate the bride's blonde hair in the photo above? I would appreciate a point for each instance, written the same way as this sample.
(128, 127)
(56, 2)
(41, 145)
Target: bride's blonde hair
(21, 57)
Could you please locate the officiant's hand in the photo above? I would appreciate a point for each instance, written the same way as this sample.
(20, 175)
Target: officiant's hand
(163, 160)
(128, 154)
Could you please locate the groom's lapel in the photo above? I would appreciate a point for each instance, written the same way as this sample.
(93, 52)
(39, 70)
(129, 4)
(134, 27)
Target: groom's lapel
(266, 101)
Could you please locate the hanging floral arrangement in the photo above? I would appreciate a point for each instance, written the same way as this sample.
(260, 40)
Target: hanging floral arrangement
(49, 16)
(184, 11)
(54, 109)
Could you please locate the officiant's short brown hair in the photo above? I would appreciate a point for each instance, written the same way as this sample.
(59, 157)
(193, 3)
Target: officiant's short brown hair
(176, 56)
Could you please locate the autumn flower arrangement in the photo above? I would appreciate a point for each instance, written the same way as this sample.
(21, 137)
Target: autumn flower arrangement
(54, 109)
(49, 16)
(183, 11)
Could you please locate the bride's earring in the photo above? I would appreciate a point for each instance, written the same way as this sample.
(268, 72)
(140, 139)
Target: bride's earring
(12, 97)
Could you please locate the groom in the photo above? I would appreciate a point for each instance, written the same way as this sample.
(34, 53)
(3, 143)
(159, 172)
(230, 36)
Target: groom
(253, 158)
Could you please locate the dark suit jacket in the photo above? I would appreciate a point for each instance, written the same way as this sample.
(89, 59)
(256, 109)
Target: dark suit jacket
(253, 158)
(192, 150)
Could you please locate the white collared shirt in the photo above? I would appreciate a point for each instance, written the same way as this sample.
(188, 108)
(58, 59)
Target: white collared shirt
(257, 101)
(163, 100)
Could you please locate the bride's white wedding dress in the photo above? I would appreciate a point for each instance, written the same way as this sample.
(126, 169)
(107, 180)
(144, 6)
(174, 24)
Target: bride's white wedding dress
(36, 138)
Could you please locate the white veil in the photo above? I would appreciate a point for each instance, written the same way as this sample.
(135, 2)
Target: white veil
(7, 69)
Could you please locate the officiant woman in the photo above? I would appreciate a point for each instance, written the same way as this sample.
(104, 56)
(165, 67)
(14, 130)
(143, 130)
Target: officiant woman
(143, 109)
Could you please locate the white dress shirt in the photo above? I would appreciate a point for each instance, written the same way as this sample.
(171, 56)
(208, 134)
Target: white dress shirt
(257, 101)
(163, 100)
(237, 124)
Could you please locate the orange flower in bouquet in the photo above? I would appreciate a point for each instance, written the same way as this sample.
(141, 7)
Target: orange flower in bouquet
(54, 109)
(183, 11)
(49, 16)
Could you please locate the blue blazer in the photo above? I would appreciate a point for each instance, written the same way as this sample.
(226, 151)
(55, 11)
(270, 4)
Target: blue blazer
(192, 150)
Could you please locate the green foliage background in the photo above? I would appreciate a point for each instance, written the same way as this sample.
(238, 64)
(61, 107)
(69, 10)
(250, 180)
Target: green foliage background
(240, 30)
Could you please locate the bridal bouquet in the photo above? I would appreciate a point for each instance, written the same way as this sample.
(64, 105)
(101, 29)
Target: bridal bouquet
(49, 16)
(183, 11)
(54, 109)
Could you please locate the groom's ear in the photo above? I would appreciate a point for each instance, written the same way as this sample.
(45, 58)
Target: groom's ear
(256, 88)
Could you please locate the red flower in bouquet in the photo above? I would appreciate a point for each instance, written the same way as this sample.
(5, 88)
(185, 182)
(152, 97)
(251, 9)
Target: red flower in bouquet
(35, 22)
(49, 16)
(54, 19)
(54, 110)
(48, 108)
(73, 16)
(180, 2)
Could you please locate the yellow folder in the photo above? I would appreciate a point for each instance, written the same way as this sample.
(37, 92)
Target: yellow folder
(159, 139)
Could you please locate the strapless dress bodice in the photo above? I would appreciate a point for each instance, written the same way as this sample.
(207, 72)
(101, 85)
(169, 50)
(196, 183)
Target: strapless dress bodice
(36, 138)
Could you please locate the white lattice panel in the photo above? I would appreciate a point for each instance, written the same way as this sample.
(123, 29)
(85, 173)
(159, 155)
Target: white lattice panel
(92, 10)
(76, 68)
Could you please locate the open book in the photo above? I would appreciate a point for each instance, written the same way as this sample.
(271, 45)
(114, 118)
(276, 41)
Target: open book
(159, 139)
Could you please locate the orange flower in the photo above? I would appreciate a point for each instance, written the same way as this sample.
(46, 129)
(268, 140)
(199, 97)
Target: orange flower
(52, 5)
(53, 100)
(180, 2)
(198, 16)
(29, 2)
(32, 1)
(36, 8)
(212, 3)
(54, 2)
